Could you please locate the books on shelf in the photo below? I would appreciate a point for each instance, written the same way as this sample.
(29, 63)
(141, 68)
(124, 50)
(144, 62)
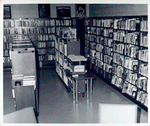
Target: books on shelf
(46, 37)
(108, 42)
(126, 24)
(118, 70)
(99, 55)
(119, 59)
(132, 38)
(64, 22)
(119, 48)
(143, 69)
(129, 89)
(130, 63)
(119, 35)
(143, 40)
(117, 81)
(107, 59)
(130, 76)
(8, 23)
(46, 30)
(144, 25)
(108, 33)
(131, 50)
(107, 68)
(8, 31)
(24, 23)
(143, 55)
(41, 44)
(142, 97)
(142, 83)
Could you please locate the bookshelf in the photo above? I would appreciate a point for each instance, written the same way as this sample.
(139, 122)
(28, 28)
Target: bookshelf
(117, 49)
(8, 32)
(65, 47)
(45, 33)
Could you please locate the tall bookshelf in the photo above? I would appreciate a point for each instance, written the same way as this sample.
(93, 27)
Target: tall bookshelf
(45, 35)
(8, 33)
(117, 49)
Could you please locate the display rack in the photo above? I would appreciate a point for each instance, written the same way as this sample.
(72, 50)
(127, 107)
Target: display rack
(118, 53)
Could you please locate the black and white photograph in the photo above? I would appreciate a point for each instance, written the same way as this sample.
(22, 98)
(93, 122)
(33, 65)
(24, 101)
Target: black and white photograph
(74, 63)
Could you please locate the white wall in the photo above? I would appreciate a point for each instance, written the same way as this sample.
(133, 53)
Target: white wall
(24, 11)
(97, 10)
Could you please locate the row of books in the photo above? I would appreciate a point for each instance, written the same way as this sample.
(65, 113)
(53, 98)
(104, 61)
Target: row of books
(86, 43)
(48, 57)
(46, 30)
(127, 24)
(24, 31)
(143, 69)
(119, 48)
(108, 42)
(99, 63)
(8, 23)
(50, 44)
(142, 83)
(24, 23)
(119, 35)
(99, 55)
(6, 52)
(131, 50)
(144, 25)
(41, 44)
(8, 31)
(117, 81)
(131, 63)
(107, 68)
(108, 59)
(7, 45)
(103, 22)
(129, 89)
(65, 22)
(142, 97)
(108, 51)
(90, 37)
(117, 70)
(46, 22)
(93, 45)
(143, 55)
(119, 59)
(7, 38)
(99, 47)
(130, 76)
(143, 40)
(100, 39)
(132, 38)
(46, 37)
(42, 51)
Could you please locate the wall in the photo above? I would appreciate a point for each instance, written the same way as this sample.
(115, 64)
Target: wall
(97, 10)
(31, 10)
(24, 10)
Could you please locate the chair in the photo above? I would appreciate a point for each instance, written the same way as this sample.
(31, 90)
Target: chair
(118, 113)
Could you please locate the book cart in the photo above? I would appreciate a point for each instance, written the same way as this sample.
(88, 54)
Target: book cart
(25, 91)
(117, 49)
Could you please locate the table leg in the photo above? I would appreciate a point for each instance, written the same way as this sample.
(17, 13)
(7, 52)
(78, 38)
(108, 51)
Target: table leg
(91, 90)
(76, 92)
(87, 88)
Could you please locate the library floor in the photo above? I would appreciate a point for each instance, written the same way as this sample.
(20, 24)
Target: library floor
(56, 104)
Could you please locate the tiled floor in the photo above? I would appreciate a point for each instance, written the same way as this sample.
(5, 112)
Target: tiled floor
(56, 104)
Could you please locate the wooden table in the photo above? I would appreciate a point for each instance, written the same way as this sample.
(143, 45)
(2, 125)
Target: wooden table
(89, 78)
